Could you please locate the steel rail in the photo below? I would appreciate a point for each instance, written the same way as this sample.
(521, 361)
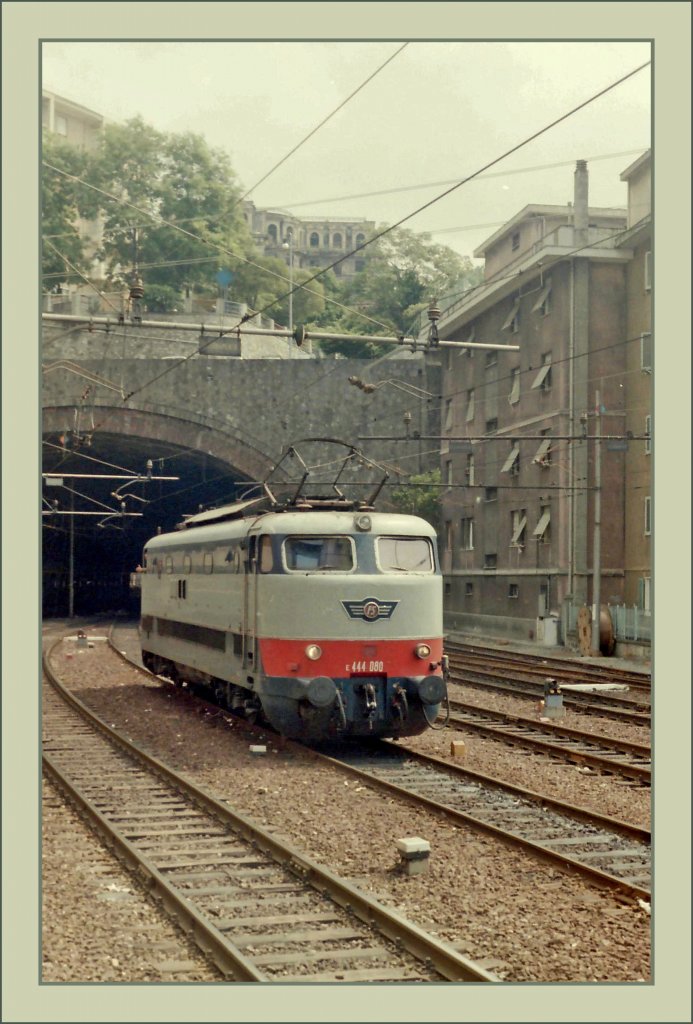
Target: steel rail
(545, 664)
(443, 958)
(578, 813)
(595, 874)
(229, 960)
(486, 679)
(544, 743)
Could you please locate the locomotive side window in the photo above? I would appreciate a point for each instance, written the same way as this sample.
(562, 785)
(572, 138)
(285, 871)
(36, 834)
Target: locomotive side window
(405, 554)
(266, 556)
(207, 562)
(328, 554)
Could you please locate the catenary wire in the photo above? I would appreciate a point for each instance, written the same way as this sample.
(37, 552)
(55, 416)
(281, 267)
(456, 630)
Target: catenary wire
(392, 227)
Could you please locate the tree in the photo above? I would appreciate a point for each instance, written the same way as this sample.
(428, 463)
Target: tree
(404, 272)
(63, 202)
(420, 496)
(175, 206)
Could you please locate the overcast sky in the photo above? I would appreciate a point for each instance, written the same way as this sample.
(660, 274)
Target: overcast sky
(435, 114)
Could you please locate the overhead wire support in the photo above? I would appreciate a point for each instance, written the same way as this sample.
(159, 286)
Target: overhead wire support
(299, 334)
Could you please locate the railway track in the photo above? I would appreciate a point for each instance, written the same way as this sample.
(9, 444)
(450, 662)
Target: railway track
(563, 669)
(486, 672)
(608, 851)
(259, 909)
(604, 754)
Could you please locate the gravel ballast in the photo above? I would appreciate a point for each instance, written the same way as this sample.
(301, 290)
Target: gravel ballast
(518, 916)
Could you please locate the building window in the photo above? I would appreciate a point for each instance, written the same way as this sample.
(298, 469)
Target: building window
(543, 454)
(469, 471)
(543, 303)
(648, 432)
(648, 516)
(491, 358)
(512, 320)
(513, 590)
(314, 240)
(514, 396)
(272, 232)
(515, 241)
(543, 378)
(648, 271)
(337, 240)
(469, 416)
(646, 352)
(467, 534)
(491, 426)
(512, 463)
(542, 531)
(645, 594)
(490, 494)
(490, 560)
(469, 590)
(360, 238)
(518, 526)
(60, 124)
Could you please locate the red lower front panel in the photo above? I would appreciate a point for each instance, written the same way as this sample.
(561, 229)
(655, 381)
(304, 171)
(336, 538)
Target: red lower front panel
(345, 658)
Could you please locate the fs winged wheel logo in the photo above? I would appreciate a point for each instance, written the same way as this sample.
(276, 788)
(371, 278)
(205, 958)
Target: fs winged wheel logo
(370, 609)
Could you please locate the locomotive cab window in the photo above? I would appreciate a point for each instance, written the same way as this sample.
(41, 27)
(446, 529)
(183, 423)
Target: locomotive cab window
(319, 554)
(405, 554)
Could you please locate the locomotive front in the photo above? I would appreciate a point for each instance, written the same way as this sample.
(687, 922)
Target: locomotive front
(348, 623)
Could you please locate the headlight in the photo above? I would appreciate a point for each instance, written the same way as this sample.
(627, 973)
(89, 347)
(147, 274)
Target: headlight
(313, 652)
(422, 651)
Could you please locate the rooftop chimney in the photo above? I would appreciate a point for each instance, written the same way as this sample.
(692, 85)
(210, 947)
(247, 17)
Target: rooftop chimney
(580, 211)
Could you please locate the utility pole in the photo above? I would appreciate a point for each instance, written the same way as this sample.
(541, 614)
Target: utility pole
(71, 578)
(597, 539)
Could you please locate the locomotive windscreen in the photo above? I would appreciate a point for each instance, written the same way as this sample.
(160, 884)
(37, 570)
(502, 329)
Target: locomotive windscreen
(328, 553)
(405, 554)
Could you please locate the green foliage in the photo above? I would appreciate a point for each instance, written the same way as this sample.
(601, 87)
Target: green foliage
(403, 272)
(173, 178)
(420, 496)
(63, 202)
(161, 298)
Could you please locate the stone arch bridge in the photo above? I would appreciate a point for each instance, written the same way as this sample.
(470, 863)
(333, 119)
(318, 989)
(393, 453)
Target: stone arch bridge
(216, 419)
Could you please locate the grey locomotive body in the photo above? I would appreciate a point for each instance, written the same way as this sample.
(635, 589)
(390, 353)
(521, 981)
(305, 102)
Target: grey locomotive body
(327, 622)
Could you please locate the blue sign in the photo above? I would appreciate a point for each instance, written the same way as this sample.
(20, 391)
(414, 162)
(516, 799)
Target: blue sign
(224, 277)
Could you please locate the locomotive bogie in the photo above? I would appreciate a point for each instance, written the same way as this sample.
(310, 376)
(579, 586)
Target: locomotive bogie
(331, 627)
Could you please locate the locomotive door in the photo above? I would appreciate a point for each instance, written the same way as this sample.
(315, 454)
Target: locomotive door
(259, 549)
(249, 603)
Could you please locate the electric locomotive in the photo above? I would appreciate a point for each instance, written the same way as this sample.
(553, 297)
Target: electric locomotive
(320, 615)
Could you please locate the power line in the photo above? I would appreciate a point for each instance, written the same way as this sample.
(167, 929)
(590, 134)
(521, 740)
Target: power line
(323, 122)
(160, 221)
(391, 191)
(438, 184)
(391, 228)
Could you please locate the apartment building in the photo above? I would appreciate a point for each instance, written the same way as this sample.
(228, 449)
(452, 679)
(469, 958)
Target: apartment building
(519, 453)
(640, 366)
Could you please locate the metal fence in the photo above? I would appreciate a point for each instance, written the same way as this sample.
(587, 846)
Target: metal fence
(629, 622)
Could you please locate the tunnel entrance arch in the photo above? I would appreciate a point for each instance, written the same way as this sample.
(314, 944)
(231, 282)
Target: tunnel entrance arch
(88, 557)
